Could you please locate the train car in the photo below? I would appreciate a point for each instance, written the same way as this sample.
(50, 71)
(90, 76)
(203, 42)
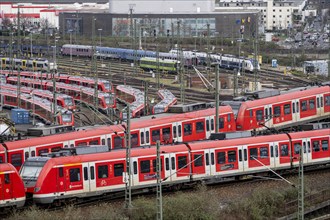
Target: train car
(134, 97)
(168, 99)
(40, 107)
(85, 175)
(78, 93)
(184, 127)
(285, 110)
(62, 100)
(169, 66)
(34, 65)
(12, 189)
(77, 50)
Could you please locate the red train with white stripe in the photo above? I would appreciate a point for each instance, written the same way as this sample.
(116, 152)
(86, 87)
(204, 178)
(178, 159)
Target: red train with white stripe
(97, 174)
(185, 127)
(12, 190)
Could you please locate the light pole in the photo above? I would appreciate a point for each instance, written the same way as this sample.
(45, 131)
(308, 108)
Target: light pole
(31, 44)
(100, 32)
(34, 109)
(70, 44)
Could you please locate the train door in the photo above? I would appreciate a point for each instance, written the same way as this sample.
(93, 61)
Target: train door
(34, 65)
(295, 110)
(167, 172)
(242, 158)
(89, 181)
(6, 186)
(23, 64)
(268, 116)
(307, 150)
(70, 143)
(198, 164)
(183, 166)
(135, 173)
(319, 105)
(209, 162)
(177, 132)
(3, 63)
(273, 154)
(209, 126)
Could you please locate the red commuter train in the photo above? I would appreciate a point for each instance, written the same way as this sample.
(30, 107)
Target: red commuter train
(185, 127)
(80, 176)
(12, 190)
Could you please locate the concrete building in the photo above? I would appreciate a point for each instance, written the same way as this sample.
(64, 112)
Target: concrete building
(274, 14)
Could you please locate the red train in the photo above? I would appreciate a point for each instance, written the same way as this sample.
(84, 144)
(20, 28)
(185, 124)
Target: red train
(169, 129)
(12, 190)
(103, 85)
(56, 179)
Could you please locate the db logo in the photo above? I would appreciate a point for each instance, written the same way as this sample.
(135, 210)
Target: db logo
(61, 183)
(7, 190)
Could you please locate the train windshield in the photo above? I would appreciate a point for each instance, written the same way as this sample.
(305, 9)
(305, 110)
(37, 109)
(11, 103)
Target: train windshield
(67, 117)
(108, 100)
(31, 170)
(107, 86)
(68, 101)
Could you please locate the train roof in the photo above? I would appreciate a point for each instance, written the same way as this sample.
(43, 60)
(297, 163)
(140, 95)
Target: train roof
(168, 99)
(286, 97)
(76, 46)
(195, 147)
(160, 60)
(7, 168)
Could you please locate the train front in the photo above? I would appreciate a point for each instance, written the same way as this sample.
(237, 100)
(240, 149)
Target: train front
(30, 172)
(66, 118)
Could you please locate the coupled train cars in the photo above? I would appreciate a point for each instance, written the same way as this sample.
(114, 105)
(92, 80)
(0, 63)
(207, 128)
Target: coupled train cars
(35, 65)
(56, 179)
(257, 115)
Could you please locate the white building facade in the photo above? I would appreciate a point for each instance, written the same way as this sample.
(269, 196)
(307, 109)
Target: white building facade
(274, 15)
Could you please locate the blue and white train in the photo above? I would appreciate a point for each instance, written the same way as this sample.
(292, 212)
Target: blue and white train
(120, 53)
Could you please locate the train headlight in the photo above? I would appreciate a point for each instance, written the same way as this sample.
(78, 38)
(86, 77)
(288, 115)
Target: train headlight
(36, 189)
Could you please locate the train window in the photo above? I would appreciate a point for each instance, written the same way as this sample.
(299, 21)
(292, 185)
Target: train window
(71, 145)
(318, 102)
(212, 124)
(182, 162)
(147, 137)
(240, 155)
(134, 140)
(155, 135)
(270, 112)
(297, 147)
(42, 151)
(7, 179)
(259, 115)
(92, 172)
(284, 150)
(297, 107)
(287, 109)
(221, 123)
(33, 153)
(207, 125)
(154, 165)
(325, 145)
(276, 151)
(293, 108)
(200, 127)
(221, 157)
(1, 159)
(228, 117)
(174, 131)
(245, 155)
(271, 151)
(167, 164)
(277, 111)
(304, 106)
(266, 113)
(173, 163)
(212, 158)
(251, 113)
(74, 175)
(95, 142)
(264, 152)
(103, 141)
(232, 156)
(102, 171)
(198, 160)
(26, 155)
(316, 146)
(109, 142)
(60, 172)
(180, 130)
(187, 129)
(253, 153)
(118, 143)
(55, 149)
(311, 104)
(82, 144)
(145, 166)
(309, 146)
(321, 101)
(85, 173)
(207, 159)
(142, 137)
(135, 167)
(16, 160)
(304, 144)
(118, 169)
(166, 134)
(327, 100)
